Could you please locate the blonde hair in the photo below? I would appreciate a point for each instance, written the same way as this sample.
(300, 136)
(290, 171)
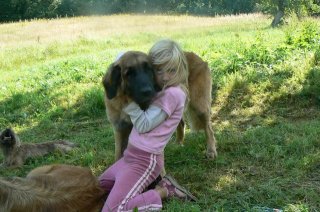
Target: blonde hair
(167, 55)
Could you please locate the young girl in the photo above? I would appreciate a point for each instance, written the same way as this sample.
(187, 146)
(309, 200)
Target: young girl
(143, 159)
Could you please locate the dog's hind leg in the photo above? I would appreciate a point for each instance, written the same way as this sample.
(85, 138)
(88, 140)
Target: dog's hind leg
(200, 120)
(205, 123)
(211, 141)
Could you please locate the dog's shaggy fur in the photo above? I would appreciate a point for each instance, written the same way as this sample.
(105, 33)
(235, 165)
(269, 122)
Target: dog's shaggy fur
(53, 188)
(16, 153)
(118, 88)
(128, 77)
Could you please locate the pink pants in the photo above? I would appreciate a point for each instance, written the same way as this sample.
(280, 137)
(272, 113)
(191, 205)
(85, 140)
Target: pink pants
(126, 180)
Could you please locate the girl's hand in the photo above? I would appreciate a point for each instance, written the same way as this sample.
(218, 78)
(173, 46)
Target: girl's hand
(127, 101)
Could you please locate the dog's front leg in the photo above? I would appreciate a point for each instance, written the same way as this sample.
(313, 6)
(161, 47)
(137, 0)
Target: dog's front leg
(121, 135)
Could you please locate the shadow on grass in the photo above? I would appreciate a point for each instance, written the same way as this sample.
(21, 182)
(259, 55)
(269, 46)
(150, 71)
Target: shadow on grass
(84, 122)
(36, 106)
(268, 166)
(262, 161)
(241, 107)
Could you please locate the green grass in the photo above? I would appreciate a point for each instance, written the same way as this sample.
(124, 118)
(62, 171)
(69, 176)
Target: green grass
(265, 109)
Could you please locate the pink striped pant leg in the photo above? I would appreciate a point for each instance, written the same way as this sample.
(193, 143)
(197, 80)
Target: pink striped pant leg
(131, 180)
(108, 177)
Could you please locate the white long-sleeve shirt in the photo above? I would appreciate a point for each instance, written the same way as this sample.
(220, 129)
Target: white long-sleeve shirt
(145, 121)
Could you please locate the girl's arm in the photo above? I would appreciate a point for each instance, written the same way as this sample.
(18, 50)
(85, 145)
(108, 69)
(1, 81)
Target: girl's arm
(145, 121)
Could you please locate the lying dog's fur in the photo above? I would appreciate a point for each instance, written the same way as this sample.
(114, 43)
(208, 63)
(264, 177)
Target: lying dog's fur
(16, 153)
(53, 188)
(119, 84)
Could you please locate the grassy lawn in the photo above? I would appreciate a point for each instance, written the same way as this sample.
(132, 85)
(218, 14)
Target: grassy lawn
(265, 109)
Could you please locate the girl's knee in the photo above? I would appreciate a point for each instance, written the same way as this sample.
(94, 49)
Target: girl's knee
(107, 208)
(110, 207)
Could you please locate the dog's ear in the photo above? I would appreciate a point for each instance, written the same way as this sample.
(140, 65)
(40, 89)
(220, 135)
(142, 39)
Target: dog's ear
(112, 80)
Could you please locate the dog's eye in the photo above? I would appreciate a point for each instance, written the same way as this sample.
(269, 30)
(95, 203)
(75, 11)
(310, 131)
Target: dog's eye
(130, 72)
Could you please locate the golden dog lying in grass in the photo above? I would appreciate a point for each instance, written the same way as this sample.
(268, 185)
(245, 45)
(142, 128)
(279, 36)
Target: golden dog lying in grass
(16, 153)
(52, 188)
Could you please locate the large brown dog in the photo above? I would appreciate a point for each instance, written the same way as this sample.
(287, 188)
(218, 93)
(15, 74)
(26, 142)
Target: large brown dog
(53, 188)
(132, 76)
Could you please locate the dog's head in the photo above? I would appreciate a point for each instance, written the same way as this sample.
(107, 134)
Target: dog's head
(131, 75)
(8, 138)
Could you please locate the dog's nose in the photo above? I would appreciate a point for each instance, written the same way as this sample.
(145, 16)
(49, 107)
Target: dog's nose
(146, 92)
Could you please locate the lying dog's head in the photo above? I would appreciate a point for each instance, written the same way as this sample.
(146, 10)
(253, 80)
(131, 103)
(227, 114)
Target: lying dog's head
(131, 75)
(8, 139)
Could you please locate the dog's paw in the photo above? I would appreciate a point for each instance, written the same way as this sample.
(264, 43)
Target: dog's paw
(211, 154)
(180, 142)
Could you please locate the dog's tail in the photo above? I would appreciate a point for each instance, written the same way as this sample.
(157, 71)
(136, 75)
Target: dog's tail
(44, 193)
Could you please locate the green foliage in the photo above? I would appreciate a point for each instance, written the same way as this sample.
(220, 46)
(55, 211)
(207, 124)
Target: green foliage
(28, 9)
(256, 55)
(300, 8)
(312, 86)
(317, 56)
(305, 36)
(259, 54)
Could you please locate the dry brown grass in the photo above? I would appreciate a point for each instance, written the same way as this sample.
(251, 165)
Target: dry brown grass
(99, 27)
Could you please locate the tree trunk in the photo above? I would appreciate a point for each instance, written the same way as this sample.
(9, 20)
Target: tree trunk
(278, 17)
